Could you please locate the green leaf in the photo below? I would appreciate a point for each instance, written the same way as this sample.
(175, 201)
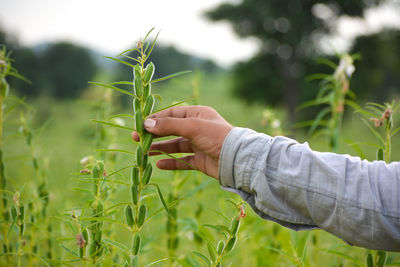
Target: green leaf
(203, 257)
(357, 148)
(327, 62)
(378, 136)
(121, 115)
(121, 61)
(157, 261)
(69, 250)
(394, 132)
(173, 105)
(152, 46)
(318, 76)
(122, 82)
(318, 119)
(379, 154)
(115, 150)
(116, 244)
(160, 196)
(345, 256)
(131, 58)
(114, 88)
(220, 228)
(113, 125)
(148, 33)
(170, 76)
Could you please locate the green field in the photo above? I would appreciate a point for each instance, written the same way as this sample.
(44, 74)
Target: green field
(64, 133)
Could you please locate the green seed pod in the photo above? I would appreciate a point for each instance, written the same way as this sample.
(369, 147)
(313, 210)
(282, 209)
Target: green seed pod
(235, 225)
(139, 156)
(4, 88)
(85, 236)
(137, 71)
(175, 243)
(148, 73)
(98, 236)
(99, 209)
(80, 253)
(370, 262)
(146, 90)
(21, 213)
(21, 229)
(211, 252)
(148, 106)
(138, 86)
(141, 215)
(93, 249)
(220, 247)
(129, 215)
(139, 122)
(135, 176)
(169, 227)
(231, 244)
(101, 168)
(219, 264)
(14, 213)
(145, 159)
(136, 105)
(134, 194)
(148, 139)
(35, 164)
(136, 244)
(147, 173)
(382, 256)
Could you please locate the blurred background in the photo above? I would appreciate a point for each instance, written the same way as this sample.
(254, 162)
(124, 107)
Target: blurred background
(250, 60)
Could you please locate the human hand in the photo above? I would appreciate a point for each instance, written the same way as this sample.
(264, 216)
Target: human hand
(200, 130)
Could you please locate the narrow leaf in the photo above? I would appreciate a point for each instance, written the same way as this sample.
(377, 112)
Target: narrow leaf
(114, 88)
(113, 125)
(203, 257)
(170, 76)
(162, 199)
(121, 61)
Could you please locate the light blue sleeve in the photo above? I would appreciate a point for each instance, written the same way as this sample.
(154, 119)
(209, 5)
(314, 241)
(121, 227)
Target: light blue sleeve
(287, 182)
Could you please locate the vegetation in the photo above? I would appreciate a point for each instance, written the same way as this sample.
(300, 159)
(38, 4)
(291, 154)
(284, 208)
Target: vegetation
(80, 192)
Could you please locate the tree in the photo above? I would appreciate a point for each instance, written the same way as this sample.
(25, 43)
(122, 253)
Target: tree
(286, 30)
(67, 68)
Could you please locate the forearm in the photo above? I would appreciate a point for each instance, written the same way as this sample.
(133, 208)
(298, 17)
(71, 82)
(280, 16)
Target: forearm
(287, 182)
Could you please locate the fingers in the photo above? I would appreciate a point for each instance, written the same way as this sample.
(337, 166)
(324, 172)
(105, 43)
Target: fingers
(173, 126)
(185, 112)
(184, 163)
(176, 145)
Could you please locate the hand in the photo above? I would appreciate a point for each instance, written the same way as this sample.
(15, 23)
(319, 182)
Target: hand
(200, 130)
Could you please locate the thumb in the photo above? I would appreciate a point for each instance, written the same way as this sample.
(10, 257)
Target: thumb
(166, 126)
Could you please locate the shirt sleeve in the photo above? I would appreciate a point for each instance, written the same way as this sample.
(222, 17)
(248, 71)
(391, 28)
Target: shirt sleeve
(287, 182)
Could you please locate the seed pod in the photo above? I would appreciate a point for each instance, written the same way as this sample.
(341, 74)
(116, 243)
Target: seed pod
(85, 236)
(141, 215)
(99, 209)
(21, 229)
(93, 249)
(129, 215)
(139, 155)
(211, 251)
(148, 139)
(14, 213)
(136, 244)
(148, 73)
(235, 225)
(35, 164)
(137, 71)
(101, 168)
(135, 176)
(145, 159)
(169, 227)
(220, 247)
(134, 194)
(4, 88)
(147, 174)
(21, 213)
(138, 86)
(136, 104)
(80, 252)
(98, 236)
(175, 243)
(231, 244)
(148, 106)
(218, 264)
(370, 262)
(139, 121)
(146, 90)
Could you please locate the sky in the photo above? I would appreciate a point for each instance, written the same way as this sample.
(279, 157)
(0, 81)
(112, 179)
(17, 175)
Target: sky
(113, 26)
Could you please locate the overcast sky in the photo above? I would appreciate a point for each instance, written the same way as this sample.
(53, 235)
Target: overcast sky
(113, 26)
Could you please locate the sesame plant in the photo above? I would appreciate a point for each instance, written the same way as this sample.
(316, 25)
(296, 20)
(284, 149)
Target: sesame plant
(332, 95)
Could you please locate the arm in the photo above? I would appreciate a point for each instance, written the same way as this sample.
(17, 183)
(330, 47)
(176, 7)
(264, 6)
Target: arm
(287, 182)
(284, 181)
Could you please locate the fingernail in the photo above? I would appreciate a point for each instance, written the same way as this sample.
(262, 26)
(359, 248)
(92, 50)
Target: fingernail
(149, 123)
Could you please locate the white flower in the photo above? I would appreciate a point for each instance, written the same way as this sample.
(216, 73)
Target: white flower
(345, 66)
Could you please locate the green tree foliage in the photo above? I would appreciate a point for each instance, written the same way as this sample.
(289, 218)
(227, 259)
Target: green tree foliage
(68, 68)
(378, 72)
(286, 30)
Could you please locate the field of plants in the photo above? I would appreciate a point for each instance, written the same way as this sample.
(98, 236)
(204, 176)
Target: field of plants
(78, 191)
